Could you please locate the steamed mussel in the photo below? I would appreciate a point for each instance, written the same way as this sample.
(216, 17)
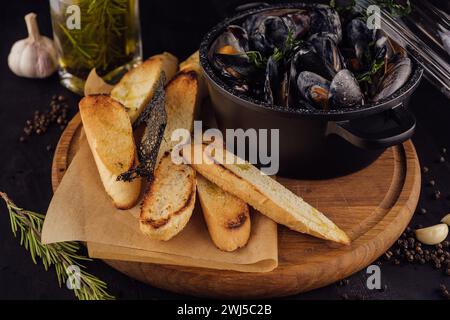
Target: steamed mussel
(309, 58)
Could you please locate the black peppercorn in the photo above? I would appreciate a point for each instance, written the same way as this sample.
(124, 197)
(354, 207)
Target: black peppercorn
(437, 195)
(41, 121)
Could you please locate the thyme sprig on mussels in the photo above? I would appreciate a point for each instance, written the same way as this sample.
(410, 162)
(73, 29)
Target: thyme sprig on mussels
(257, 59)
(155, 118)
(396, 7)
(260, 62)
(368, 76)
(28, 226)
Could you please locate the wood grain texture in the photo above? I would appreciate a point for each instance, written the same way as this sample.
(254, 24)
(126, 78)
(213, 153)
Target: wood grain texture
(373, 206)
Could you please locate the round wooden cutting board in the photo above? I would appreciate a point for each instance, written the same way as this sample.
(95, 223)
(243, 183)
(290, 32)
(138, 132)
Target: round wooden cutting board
(373, 206)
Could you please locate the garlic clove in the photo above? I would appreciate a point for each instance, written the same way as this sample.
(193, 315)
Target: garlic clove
(432, 235)
(446, 219)
(26, 68)
(35, 56)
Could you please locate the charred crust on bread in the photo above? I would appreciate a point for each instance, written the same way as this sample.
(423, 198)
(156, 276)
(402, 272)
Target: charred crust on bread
(156, 224)
(190, 74)
(99, 95)
(237, 222)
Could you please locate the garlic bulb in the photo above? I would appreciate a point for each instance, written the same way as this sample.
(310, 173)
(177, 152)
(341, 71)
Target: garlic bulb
(35, 56)
(432, 235)
(446, 219)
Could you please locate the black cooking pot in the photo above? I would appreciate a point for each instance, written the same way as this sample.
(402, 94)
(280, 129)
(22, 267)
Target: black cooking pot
(313, 143)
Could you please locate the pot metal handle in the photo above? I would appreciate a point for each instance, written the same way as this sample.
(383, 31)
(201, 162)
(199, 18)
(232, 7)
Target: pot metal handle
(382, 130)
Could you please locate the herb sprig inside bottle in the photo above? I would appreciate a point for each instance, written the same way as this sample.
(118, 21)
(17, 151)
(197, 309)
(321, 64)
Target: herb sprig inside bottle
(107, 38)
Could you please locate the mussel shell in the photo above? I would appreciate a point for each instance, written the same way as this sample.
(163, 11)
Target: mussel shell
(387, 48)
(234, 66)
(235, 37)
(345, 91)
(252, 22)
(271, 33)
(359, 37)
(327, 48)
(298, 22)
(326, 19)
(272, 83)
(314, 89)
(396, 75)
(307, 59)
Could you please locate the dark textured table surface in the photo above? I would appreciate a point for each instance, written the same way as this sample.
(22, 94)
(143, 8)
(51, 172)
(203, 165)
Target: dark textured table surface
(176, 27)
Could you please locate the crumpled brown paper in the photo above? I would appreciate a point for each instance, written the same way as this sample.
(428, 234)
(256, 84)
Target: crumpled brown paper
(82, 211)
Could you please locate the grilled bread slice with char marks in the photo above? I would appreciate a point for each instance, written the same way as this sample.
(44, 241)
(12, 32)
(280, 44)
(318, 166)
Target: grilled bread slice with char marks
(264, 194)
(226, 216)
(137, 86)
(110, 136)
(169, 200)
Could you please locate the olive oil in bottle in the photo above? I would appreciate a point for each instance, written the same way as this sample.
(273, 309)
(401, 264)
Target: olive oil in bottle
(101, 34)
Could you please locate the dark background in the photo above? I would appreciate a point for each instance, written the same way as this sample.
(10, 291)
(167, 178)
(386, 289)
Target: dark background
(175, 26)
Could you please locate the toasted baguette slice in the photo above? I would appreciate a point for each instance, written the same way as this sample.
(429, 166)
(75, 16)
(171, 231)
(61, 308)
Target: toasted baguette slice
(182, 106)
(220, 209)
(264, 194)
(226, 216)
(169, 200)
(193, 64)
(110, 137)
(173, 189)
(136, 88)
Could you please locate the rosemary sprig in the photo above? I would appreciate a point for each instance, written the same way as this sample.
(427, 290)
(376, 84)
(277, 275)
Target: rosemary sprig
(102, 41)
(28, 225)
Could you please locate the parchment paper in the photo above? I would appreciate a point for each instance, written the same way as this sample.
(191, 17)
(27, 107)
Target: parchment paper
(82, 211)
